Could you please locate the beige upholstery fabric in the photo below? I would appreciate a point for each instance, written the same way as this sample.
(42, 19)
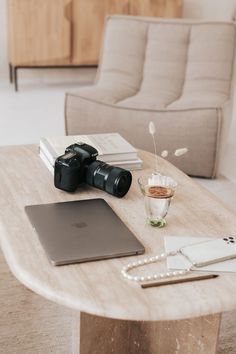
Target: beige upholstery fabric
(174, 72)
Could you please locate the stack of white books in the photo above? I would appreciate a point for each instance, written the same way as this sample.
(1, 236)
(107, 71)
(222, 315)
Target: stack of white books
(112, 148)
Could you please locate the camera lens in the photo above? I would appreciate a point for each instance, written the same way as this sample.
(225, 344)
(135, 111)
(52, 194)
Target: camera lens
(113, 180)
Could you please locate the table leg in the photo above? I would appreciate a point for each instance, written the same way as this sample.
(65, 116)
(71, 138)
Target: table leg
(98, 335)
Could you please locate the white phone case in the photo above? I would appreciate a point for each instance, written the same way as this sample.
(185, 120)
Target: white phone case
(209, 252)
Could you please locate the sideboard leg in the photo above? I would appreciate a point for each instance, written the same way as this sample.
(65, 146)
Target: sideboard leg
(16, 78)
(98, 335)
(10, 73)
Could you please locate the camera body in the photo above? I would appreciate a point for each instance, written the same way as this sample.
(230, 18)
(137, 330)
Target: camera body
(79, 165)
(70, 168)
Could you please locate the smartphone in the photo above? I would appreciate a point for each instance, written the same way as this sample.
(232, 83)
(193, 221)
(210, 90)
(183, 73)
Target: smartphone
(209, 252)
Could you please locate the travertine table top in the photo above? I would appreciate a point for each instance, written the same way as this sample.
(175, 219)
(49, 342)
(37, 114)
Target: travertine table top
(98, 287)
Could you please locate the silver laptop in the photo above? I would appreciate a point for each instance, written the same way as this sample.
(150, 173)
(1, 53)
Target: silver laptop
(81, 231)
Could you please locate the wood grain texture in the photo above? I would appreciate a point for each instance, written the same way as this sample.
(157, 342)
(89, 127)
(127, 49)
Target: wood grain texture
(88, 24)
(103, 335)
(159, 8)
(98, 287)
(69, 32)
(39, 32)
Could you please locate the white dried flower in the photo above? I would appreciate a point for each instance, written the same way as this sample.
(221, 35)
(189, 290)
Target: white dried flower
(180, 152)
(164, 153)
(152, 129)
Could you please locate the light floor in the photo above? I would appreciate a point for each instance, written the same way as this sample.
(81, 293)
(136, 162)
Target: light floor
(30, 324)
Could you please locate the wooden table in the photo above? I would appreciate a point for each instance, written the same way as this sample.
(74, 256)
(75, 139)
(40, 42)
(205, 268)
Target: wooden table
(115, 315)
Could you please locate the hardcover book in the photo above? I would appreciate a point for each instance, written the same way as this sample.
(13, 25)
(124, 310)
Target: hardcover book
(112, 149)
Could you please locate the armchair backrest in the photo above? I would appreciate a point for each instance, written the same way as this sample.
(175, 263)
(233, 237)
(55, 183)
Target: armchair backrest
(171, 63)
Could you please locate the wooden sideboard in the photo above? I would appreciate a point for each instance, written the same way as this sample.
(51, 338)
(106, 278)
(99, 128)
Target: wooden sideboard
(68, 33)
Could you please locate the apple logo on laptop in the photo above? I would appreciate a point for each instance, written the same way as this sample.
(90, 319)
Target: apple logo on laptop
(79, 225)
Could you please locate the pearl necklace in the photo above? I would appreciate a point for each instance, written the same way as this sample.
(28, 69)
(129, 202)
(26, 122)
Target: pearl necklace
(158, 258)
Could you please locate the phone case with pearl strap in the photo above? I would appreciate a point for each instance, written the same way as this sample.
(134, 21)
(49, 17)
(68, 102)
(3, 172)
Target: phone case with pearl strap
(209, 252)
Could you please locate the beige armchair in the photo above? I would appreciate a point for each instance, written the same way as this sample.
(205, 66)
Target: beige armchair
(175, 73)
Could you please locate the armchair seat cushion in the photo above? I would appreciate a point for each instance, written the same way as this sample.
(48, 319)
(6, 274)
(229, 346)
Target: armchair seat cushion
(198, 129)
(149, 101)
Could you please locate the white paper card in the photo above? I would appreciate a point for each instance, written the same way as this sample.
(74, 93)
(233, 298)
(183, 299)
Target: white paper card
(180, 262)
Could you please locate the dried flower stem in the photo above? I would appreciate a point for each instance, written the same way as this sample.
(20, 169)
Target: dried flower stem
(155, 150)
(152, 131)
(165, 153)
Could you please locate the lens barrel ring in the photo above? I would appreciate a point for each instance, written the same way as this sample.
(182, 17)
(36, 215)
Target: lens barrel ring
(115, 180)
(114, 183)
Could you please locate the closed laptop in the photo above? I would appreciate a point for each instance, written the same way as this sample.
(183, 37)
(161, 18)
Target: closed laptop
(81, 231)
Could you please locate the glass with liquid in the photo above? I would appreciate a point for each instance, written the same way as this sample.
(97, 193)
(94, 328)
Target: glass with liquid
(157, 199)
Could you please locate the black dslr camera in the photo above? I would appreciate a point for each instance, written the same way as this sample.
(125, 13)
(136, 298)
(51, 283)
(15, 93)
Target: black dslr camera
(79, 165)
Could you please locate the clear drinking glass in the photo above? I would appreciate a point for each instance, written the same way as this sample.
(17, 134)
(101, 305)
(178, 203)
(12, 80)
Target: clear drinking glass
(158, 191)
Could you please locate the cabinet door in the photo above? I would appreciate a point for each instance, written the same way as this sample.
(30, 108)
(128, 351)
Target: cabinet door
(159, 8)
(88, 24)
(39, 32)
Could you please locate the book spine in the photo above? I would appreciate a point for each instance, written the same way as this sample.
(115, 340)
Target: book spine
(48, 151)
(118, 157)
(129, 165)
(46, 161)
